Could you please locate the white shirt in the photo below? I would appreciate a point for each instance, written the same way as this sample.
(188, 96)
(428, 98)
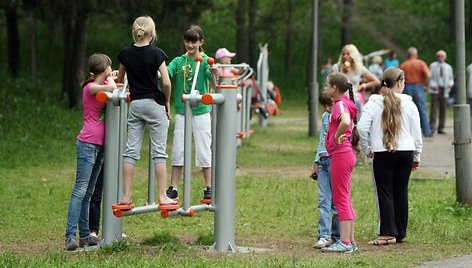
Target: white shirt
(370, 127)
(441, 76)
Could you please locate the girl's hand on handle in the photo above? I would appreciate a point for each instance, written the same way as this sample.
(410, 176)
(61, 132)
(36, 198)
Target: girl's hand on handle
(114, 74)
(415, 166)
(214, 69)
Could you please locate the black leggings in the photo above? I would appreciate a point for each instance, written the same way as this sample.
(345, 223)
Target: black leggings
(392, 173)
(95, 204)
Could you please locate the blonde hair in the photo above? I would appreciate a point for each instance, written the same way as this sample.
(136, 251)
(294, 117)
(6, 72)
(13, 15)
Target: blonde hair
(355, 55)
(392, 112)
(142, 26)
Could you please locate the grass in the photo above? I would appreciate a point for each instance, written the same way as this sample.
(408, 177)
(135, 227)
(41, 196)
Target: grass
(276, 201)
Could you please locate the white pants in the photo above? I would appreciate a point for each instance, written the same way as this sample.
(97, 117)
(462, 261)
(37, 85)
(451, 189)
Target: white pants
(201, 128)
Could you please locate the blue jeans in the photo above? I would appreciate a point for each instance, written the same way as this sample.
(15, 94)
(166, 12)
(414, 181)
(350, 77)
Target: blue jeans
(328, 228)
(89, 163)
(417, 93)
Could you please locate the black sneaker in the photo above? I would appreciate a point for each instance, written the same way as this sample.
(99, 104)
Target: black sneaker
(71, 243)
(89, 241)
(172, 193)
(207, 193)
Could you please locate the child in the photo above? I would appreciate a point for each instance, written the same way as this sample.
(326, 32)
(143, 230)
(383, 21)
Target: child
(182, 69)
(328, 229)
(149, 105)
(343, 159)
(90, 151)
(223, 56)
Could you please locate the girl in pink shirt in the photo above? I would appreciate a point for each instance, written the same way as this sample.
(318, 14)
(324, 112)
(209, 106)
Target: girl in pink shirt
(341, 138)
(90, 152)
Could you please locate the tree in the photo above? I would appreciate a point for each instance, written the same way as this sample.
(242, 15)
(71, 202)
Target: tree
(31, 7)
(253, 52)
(13, 36)
(452, 19)
(288, 40)
(75, 26)
(346, 37)
(241, 34)
(470, 17)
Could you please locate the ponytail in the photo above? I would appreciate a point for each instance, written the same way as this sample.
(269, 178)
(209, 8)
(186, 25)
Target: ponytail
(88, 78)
(355, 133)
(392, 113)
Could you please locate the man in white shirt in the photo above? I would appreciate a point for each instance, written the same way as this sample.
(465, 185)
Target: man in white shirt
(442, 80)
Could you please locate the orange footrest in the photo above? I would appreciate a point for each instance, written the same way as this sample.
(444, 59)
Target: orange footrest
(122, 206)
(205, 201)
(168, 207)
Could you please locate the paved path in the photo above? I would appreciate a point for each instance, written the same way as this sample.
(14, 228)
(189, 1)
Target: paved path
(438, 158)
(458, 262)
(438, 154)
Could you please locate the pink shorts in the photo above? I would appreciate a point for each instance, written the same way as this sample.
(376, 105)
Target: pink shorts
(342, 165)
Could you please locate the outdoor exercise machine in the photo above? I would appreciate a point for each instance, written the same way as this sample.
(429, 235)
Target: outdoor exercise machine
(224, 104)
(243, 88)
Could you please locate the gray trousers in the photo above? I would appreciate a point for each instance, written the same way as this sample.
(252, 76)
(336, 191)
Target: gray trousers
(438, 102)
(141, 113)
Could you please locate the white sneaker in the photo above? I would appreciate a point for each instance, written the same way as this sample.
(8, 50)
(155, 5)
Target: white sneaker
(93, 234)
(322, 243)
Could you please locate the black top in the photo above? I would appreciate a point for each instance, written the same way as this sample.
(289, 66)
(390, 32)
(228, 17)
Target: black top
(141, 65)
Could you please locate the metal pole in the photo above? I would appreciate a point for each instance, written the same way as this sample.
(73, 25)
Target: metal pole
(262, 77)
(187, 155)
(462, 138)
(151, 179)
(313, 91)
(225, 192)
(112, 226)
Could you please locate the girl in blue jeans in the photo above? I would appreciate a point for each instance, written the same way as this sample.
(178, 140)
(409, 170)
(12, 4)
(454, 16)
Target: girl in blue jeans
(328, 227)
(90, 151)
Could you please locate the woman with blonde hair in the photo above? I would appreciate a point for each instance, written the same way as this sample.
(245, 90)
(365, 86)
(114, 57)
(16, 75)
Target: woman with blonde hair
(390, 132)
(362, 80)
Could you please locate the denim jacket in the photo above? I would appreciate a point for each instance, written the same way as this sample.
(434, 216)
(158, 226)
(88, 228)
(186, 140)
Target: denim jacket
(322, 144)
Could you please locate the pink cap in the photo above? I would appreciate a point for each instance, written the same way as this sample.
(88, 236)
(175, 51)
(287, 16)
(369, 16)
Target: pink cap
(223, 52)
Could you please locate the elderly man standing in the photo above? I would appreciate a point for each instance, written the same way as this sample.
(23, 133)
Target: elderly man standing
(442, 80)
(416, 75)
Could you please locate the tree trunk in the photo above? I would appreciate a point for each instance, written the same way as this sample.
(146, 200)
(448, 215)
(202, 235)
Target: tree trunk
(78, 59)
(241, 34)
(33, 45)
(68, 27)
(75, 49)
(288, 40)
(346, 37)
(253, 49)
(470, 19)
(13, 39)
(452, 19)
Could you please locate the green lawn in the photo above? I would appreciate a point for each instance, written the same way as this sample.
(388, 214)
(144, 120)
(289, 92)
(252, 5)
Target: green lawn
(276, 201)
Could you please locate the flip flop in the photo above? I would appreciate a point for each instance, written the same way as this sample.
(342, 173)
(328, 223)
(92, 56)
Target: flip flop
(168, 206)
(123, 206)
